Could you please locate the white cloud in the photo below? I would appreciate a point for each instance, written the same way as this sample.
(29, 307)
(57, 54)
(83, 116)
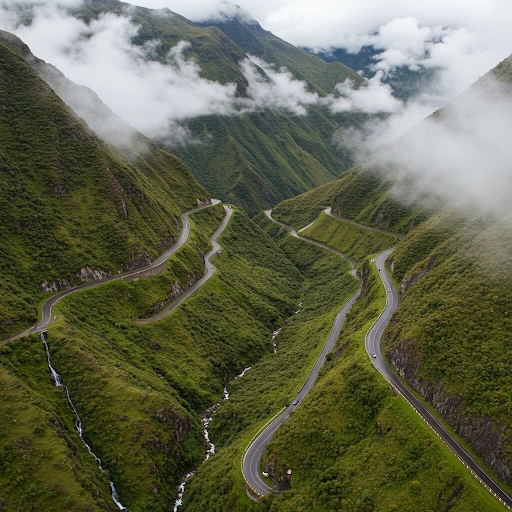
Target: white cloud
(157, 97)
(146, 93)
(376, 97)
(465, 156)
(277, 89)
(462, 40)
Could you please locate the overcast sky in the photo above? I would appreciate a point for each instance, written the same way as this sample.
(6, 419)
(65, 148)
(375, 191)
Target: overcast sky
(348, 22)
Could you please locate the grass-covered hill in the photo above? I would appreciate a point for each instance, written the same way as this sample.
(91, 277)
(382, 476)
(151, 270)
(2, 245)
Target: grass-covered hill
(248, 34)
(140, 388)
(352, 445)
(68, 200)
(364, 194)
(355, 446)
(253, 160)
(450, 337)
(388, 195)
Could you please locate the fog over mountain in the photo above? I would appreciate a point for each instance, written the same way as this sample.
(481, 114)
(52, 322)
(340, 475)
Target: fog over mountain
(463, 153)
(128, 78)
(156, 97)
(462, 41)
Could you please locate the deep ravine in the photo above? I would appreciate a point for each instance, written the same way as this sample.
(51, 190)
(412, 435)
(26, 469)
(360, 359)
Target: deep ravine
(210, 447)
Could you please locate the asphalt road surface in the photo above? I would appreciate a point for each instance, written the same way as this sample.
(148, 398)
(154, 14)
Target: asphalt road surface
(252, 456)
(373, 340)
(210, 270)
(47, 306)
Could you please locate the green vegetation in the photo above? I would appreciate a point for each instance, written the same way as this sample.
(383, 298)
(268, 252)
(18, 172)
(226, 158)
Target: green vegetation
(449, 336)
(254, 40)
(68, 201)
(354, 241)
(299, 211)
(253, 160)
(354, 446)
(273, 381)
(364, 195)
(141, 388)
(455, 320)
(260, 159)
(44, 463)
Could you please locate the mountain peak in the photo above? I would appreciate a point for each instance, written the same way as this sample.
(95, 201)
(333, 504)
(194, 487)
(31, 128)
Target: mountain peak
(229, 11)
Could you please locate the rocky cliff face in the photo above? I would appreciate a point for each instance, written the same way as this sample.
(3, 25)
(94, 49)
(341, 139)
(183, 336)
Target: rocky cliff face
(489, 439)
(414, 276)
(175, 291)
(85, 274)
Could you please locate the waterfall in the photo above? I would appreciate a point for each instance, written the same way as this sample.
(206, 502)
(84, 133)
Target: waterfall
(57, 379)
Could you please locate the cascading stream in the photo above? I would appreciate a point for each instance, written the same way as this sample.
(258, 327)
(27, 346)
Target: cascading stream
(57, 379)
(210, 447)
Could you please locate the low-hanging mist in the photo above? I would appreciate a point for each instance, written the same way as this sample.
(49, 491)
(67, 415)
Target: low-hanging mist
(462, 153)
(157, 96)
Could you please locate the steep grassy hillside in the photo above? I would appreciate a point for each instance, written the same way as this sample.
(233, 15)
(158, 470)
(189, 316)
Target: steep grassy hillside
(260, 159)
(299, 211)
(68, 201)
(254, 40)
(46, 465)
(141, 388)
(354, 241)
(367, 195)
(450, 336)
(252, 160)
(272, 382)
(354, 446)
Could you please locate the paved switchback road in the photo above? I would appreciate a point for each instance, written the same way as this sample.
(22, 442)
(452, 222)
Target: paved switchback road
(46, 308)
(373, 347)
(252, 456)
(373, 228)
(210, 270)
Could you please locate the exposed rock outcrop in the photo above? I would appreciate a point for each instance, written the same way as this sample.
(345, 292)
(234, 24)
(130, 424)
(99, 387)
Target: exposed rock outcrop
(119, 194)
(137, 261)
(204, 202)
(175, 291)
(415, 276)
(489, 438)
(284, 481)
(85, 274)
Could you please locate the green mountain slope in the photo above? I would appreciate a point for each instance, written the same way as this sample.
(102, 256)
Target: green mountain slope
(253, 160)
(259, 159)
(141, 389)
(352, 445)
(450, 337)
(254, 40)
(70, 202)
(355, 446)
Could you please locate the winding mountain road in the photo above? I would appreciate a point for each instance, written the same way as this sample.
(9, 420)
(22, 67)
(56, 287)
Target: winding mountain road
(294, 233)
(373, 228)
(46, 308)
(373, 347)
(253, 453)
(210, 270)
